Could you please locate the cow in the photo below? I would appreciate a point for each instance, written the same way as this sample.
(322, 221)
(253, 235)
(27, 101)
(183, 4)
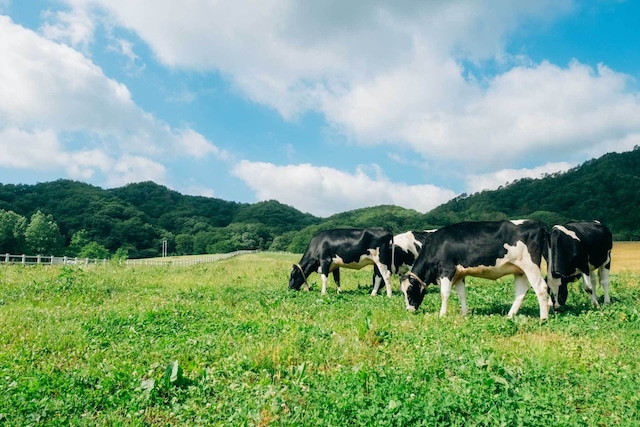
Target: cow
(406, 248)
(352, 248)
(579, 248)
(487, 249)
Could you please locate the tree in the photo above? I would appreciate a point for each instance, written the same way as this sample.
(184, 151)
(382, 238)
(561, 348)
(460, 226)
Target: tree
(121, 254)
(94, 250)
(12, 229)
(78, 241)
(184, 244)
(43, 235)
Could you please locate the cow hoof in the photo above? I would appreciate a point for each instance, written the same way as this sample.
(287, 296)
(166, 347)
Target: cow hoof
(411, 308)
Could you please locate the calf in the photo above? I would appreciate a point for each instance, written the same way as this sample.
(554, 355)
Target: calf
(579, 249)
(349, 248)
(406, 248)
(487, 249)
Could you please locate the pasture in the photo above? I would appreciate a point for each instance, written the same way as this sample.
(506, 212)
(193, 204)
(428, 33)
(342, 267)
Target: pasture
(227, 343)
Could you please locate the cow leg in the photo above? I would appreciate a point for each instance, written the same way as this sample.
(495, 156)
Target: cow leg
(385, 273)
(377, 279)
(325, 279)
(603, 274)
(336, 278)
(534, 277)
(521, 286)
(445, 291)
(553, 285)
(462, 296)
(590, 287)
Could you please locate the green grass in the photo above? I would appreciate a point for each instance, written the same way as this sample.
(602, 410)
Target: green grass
(228, 344)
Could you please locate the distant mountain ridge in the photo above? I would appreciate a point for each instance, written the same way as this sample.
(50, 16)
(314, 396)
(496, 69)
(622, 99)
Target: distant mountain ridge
(140, 216)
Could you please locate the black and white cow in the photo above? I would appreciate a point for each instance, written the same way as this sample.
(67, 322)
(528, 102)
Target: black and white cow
(579, 249)
(352, 248)
(487, 249)
(406, 248)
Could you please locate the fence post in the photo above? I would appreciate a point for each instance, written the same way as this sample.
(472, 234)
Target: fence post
(24, 259)
(38, 259)
(6, 259)
(51, 260)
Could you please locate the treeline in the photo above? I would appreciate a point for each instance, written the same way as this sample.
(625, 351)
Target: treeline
(134, 220)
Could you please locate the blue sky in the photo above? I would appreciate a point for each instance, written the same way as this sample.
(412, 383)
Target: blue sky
(325, 106)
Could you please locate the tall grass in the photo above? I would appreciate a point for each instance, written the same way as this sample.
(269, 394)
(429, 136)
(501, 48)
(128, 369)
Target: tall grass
(228, 344)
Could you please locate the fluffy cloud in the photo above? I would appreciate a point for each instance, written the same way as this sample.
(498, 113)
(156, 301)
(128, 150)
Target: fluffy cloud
(394, 72)
(42, 150)
(324, 191)
(52, 96)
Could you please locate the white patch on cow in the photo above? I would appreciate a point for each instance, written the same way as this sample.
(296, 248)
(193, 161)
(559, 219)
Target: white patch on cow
(518, 221)
(407, 242)
(373, 258)
(568, 232)
(338, 262)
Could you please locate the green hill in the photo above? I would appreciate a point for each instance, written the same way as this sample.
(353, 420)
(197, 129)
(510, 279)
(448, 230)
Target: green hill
(138, 217)
(607, 189)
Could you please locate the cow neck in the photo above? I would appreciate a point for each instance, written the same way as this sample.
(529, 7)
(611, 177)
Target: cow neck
(304, 276)
(415, 276)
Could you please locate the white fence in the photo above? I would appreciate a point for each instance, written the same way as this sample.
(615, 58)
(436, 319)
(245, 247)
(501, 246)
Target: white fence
(47, 259)
(50, 259)
(192, 260)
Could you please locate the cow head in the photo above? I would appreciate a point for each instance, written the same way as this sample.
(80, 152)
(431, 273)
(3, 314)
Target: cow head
(297, 278)
(414, 290)
(560, 296)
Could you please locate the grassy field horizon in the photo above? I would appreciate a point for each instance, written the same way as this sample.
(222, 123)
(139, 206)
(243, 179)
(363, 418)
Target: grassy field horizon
(226, 343)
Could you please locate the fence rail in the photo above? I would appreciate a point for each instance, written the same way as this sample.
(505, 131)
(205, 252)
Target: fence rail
(47, 259)
(57, 260)
(186, 261)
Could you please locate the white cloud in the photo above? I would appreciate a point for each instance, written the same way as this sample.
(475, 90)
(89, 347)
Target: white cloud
(75, 27)
(24, 150)
(195, 145)
(136, 169)
(493, 180)
(51, 94)
(394, 72)
(324, 191)
(41, 150)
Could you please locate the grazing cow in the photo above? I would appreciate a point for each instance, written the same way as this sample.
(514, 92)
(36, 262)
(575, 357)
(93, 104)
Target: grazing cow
(406, 248)
(487, 249)
(347, 247)
(578, 249)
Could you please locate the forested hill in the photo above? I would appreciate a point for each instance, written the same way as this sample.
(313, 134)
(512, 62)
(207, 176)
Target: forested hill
(136, 218)
(606, 189)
